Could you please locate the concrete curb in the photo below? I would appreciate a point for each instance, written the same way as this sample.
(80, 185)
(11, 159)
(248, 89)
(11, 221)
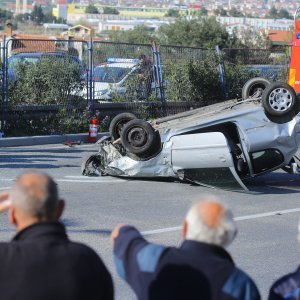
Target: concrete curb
(47, 139)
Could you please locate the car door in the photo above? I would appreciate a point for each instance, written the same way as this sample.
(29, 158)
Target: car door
(205, 158)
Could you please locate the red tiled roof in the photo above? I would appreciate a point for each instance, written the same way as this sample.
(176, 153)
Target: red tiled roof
(280, 36)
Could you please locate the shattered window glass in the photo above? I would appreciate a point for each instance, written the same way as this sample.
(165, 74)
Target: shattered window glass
(213, 177)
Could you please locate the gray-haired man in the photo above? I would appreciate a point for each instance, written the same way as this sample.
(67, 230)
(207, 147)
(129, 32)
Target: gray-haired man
(199, 269)
(41, 262)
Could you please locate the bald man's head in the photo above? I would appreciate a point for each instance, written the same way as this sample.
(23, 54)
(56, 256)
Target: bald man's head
(210, 222)
(35, 194)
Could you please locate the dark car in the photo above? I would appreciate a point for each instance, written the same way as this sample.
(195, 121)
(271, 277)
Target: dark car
(34, 57)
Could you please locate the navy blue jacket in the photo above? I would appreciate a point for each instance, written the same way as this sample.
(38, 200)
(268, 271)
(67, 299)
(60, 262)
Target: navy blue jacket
(193, 271)
(287, 287)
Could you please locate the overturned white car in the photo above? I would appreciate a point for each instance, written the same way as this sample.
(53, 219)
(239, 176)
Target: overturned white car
(220, 145)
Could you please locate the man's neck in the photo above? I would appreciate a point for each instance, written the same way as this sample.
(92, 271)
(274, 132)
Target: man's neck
(26, 223)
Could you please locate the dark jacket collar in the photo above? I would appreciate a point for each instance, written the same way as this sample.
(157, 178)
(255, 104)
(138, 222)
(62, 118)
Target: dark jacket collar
(200, 248)
(42, 229)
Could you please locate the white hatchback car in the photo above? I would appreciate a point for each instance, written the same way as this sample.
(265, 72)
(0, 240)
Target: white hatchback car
(112, 77)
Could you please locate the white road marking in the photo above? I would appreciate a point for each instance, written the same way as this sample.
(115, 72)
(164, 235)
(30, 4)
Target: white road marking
(84, 181)
(90, 179)
(107, 178)
(241, 218)
(5, 188)
(8, 149)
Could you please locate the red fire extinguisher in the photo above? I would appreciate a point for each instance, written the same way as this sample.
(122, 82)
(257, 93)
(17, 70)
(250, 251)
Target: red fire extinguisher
(93, 130)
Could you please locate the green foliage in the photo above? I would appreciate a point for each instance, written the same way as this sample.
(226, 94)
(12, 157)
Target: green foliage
(220, 12)
(196, 79)
(252, 39)
(91, 9)
(202, 32)
(203, 11)
(110, 11)
(23, 17)
(37, 14)
(49, 81)
(235, 13)
(174, 13)
(284, 14)
(281, 14)
(5, 15)
(138, 35)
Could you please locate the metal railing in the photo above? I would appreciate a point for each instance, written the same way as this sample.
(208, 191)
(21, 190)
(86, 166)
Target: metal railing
(55, 86)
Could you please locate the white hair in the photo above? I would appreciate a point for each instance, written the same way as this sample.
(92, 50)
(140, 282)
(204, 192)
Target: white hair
(197, 228)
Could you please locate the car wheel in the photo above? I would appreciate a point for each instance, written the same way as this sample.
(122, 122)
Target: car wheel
(279, 99)
(118, 122)
(139, 137)
(254, 88)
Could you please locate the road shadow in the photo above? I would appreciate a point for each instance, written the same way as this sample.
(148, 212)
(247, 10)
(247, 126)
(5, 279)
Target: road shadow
(275, 183)
(73, 226)
(271, 183)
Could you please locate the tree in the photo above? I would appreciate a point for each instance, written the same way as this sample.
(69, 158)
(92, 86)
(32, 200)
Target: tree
(250, 38)
(23, 17)
(273, 13)
(235, 13)
(138, 35)
(39, 82)
(202, 32)
(110, 11)
(5, 15)
(91, 9)
(203, 11)
(174, 13)
(284, 14)
(37, 14)
(220, 12)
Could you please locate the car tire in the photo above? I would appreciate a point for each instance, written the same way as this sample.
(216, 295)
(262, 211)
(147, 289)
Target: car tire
(118, 122)
(140, 138)
(254, 88)
(279, 99)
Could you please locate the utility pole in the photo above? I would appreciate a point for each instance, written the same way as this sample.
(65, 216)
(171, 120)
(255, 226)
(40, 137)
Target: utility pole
(18, 7)
(24, 11)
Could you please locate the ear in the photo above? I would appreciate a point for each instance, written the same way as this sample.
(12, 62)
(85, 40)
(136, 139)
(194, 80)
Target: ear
(60, 209)
(12, 216)
(184, 229)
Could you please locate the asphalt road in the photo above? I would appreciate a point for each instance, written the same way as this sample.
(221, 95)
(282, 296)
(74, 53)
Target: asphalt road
(265, 247)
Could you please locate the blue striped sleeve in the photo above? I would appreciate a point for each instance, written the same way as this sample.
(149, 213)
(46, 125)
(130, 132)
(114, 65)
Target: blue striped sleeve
(240, 286)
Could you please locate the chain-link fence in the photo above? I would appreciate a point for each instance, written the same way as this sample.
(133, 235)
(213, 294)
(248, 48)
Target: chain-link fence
(118, 73)
(56, 86)
(45, 86)
(241, 65)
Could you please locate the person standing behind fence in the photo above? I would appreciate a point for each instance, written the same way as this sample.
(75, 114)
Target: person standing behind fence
(288, 286)
(41, 262)
(145, 76)
(199, 269)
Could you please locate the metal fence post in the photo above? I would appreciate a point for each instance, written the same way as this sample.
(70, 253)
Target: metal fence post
(90, 87)
(158, 75)
(3, 84)
(221, 70)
